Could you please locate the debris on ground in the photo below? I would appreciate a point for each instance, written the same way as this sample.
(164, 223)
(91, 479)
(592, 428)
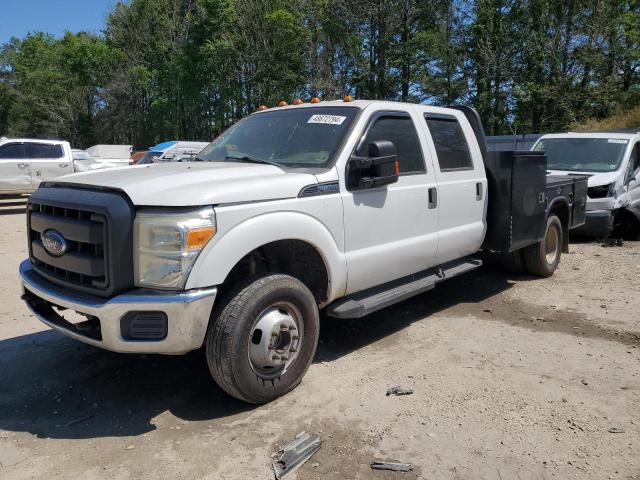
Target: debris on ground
(394, 466)
(398, 390)
(612, 242)
(616, 430)
(293, 454)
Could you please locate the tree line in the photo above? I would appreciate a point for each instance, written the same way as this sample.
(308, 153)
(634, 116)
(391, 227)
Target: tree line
(188, 69)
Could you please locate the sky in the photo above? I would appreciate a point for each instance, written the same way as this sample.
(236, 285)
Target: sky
(19, 17)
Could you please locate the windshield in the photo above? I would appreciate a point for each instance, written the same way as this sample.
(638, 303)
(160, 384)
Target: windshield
(300, 137)
(583, 154)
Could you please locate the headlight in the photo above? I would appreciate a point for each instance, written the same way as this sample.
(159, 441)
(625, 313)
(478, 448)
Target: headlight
(167, 245)
(602, 191)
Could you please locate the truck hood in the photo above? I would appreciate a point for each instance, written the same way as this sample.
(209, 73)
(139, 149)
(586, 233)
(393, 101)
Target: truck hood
(196, 183)
(595, 179)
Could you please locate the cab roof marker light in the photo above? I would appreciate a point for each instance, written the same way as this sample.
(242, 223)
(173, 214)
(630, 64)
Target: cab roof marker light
(297, 101)
(282, 103)
(347, 98)
(262, 108)
(315, 100)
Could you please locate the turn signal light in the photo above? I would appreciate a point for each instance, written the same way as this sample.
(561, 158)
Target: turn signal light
(315, 100)
(347, 98)
(282, 103)
(297, 101)
(198, 237)
(397, 168)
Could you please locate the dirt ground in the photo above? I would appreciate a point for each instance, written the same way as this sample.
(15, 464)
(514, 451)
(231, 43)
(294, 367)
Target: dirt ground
(513, 378)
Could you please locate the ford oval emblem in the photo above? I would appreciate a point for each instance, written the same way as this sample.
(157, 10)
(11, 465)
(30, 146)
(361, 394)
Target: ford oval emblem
(54, 243)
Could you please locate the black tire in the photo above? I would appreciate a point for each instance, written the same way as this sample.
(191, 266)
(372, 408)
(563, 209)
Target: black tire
(627, 226)
(539, 259)
(514, 262)
(230, 332)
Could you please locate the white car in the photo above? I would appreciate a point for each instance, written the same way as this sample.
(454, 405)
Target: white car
(612, 162)
(343, 206)
(25, 162)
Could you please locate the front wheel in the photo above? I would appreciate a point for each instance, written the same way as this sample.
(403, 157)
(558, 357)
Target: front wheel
(262, 341)
(542, 258)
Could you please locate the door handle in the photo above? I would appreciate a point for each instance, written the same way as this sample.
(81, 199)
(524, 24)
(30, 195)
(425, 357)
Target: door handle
(479, 191)
(433, 197)
(63, 165)
(23, 165)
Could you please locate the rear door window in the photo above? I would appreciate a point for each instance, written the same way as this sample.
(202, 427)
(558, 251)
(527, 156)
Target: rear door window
(12, 150)
(450, 143)
(45, 150)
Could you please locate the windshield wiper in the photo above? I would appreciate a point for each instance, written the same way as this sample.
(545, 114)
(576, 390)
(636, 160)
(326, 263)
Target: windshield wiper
(248, 158)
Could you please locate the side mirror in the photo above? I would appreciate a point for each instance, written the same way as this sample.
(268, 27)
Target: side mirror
(379, 168)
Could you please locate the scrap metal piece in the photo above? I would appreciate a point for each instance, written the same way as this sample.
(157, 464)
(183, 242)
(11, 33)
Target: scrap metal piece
(394, 466)
(293, 454)
(398, 390)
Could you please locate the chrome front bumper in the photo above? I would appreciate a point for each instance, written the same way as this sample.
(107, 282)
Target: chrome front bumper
(187, 314)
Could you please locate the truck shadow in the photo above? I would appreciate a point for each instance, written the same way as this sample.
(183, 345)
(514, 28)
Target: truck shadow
(55, 387)
(340, 337)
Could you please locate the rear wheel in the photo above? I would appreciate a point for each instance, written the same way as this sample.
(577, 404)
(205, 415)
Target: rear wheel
(542, 258)
(263, 339)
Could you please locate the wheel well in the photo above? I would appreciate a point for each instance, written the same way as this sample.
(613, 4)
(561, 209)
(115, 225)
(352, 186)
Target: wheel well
(561, 210)
(626, 223)
(291, 257)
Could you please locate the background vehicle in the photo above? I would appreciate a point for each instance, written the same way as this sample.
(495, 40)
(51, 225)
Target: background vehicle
(84, 162)
(346, 206)
(24, 163)
(612, 163)
(111, 155)
(172, 151)
(137, 156)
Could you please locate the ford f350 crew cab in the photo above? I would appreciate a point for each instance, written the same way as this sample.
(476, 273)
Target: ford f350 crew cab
(612, 163)
(343, 206)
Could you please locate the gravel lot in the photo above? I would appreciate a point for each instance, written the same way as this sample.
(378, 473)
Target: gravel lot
(514, 378)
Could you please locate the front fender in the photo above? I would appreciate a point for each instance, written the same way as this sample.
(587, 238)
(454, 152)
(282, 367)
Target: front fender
(223, 252)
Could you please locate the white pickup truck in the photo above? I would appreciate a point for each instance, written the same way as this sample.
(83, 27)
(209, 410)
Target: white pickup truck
(25, 162)
(346, 207)
(612, 163)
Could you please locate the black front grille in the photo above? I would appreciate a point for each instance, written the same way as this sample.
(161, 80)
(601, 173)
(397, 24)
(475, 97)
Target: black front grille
(85, 261)
(97, 230)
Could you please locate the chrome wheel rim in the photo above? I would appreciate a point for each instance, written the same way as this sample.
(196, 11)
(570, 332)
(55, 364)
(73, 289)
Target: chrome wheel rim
(551, 242)
(275, 340)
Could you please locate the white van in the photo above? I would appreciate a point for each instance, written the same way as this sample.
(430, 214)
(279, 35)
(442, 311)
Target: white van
(612, 162)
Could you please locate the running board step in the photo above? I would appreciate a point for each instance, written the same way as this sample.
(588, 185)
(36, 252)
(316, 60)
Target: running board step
(368, 301)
